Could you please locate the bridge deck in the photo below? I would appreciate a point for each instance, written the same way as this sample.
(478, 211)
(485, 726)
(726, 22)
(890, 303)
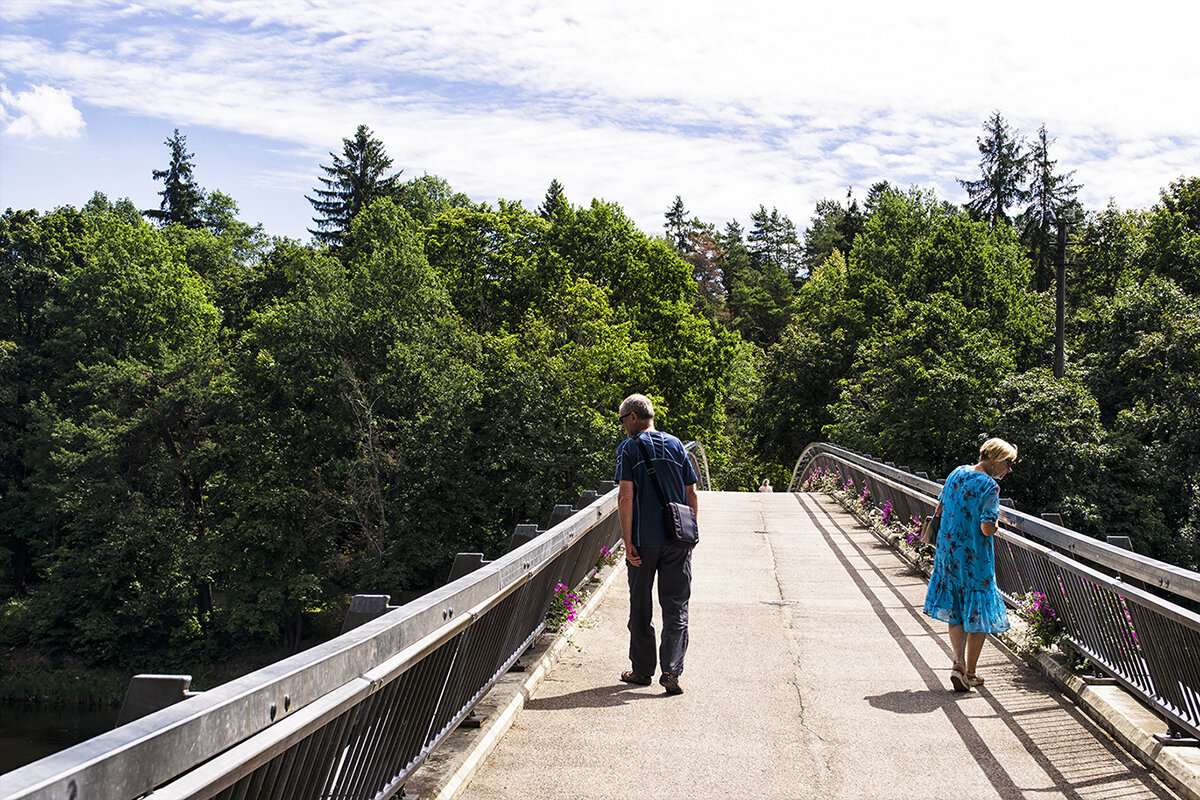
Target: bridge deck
(811, 673)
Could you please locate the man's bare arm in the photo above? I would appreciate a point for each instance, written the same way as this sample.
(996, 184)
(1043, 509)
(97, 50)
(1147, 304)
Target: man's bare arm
(625, 515)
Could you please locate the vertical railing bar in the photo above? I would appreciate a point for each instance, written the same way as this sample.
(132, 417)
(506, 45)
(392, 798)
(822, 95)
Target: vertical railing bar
(1101, 601)
(361, 748)
(380, 768)
(335, 749)
(322, 762)
(243, 787)
(445, 681)
(1119, 629)
(1086, 613)
(299, 752)
(254, 788)
(1172, 665)
(286, 759)
(426, 699)
(270, 773)
(1158, 663)
(395, 753)
(451, 702)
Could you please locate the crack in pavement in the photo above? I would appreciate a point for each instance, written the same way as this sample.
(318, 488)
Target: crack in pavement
(788, 622)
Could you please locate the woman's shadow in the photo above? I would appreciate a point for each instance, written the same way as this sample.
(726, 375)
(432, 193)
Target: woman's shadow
(910, 702)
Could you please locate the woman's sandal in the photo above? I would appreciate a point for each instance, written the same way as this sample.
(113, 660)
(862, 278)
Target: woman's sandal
(958, 678)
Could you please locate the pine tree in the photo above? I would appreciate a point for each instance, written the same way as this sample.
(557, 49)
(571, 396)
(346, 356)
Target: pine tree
(352, 183)
(181, 195)
(1004, 166)
(1052, 198)
(554, 203)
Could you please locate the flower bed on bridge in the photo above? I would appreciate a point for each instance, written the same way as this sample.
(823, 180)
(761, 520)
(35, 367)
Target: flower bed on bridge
(901, 534)
(1035, 623)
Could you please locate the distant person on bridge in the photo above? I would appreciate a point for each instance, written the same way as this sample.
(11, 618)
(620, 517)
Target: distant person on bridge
(962, 589)
(766, 486)
(647, 551)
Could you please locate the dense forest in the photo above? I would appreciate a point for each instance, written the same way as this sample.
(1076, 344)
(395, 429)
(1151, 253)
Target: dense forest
(210, 437)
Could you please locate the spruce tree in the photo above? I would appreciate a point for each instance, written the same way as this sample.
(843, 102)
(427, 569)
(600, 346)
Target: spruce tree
(355, 179)
(677, 225)
(1005, 165)
(554, 203)
(1052, 198)
(181, 195)
(772, 242)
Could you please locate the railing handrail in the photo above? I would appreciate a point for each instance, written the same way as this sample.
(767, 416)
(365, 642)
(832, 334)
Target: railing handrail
(1167, 577)
(133, 759)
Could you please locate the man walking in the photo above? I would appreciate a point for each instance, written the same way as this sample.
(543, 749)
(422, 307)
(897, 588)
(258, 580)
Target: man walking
(647, 551)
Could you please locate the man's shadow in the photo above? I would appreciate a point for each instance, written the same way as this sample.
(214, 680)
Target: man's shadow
(598, 697)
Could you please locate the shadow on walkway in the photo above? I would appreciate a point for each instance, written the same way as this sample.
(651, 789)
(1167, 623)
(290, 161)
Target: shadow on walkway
(812, 672)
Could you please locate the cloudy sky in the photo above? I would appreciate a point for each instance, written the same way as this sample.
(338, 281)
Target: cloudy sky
(729, 104)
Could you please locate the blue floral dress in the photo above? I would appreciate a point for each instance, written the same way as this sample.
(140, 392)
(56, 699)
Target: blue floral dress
(962, 589)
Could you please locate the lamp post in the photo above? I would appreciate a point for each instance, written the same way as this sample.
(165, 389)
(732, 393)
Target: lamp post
(1060, 322)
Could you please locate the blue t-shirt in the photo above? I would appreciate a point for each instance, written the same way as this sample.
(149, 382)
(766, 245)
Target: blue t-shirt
(674, 471)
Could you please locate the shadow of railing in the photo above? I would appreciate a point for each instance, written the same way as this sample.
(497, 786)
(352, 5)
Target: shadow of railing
(1143, 638)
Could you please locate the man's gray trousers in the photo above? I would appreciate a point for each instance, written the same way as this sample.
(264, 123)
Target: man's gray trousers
(673, 566)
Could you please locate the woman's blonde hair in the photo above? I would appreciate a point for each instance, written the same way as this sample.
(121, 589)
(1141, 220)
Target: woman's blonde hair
(997, 450)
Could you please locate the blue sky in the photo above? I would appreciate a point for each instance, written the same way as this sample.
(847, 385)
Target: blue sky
(728, 104)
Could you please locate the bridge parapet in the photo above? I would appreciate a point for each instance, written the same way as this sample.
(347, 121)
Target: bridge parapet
(1147, 639)
(353, 717)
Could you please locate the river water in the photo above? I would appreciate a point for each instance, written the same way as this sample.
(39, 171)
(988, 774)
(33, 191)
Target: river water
(30, 732)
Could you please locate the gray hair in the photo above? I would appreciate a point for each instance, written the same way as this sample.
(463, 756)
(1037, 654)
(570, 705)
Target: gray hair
(639, 404)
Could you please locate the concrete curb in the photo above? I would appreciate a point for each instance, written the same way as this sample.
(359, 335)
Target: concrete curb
(448, 772)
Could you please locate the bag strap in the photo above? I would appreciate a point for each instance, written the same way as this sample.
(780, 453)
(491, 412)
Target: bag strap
(650, 469)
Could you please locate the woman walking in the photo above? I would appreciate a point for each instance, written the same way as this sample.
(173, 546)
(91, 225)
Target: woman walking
(962, 589)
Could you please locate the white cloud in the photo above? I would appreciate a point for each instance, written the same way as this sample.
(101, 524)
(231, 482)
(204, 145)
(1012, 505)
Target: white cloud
(44, 111)
(774, 102)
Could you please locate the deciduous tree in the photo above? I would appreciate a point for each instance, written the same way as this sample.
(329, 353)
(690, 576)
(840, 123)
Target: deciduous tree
(833, 227)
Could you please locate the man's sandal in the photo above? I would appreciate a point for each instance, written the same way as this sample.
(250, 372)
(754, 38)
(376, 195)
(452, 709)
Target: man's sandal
(629, 677)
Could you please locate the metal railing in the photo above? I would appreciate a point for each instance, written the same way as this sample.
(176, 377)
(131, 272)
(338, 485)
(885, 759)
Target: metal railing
(351, 718)
(1140, 637)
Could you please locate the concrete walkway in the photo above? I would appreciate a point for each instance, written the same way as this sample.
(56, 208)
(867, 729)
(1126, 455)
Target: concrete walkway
(811, 673)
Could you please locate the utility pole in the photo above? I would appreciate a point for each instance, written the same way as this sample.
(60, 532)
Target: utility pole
(1060, 322)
